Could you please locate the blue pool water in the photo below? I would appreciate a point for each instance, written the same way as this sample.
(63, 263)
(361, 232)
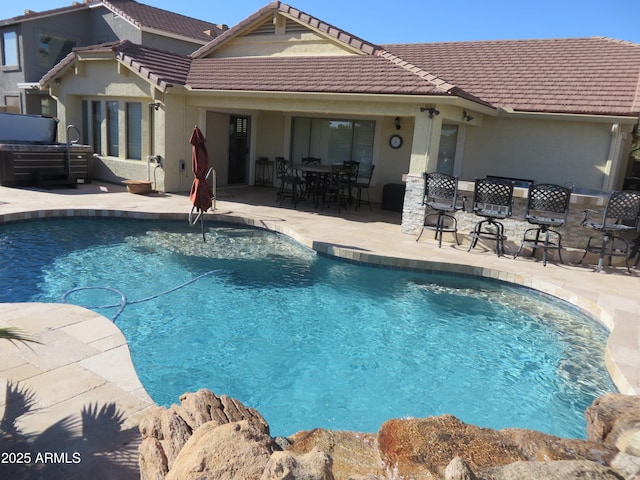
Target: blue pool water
(310, 341)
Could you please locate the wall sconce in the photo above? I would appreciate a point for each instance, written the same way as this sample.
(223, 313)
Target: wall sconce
(432, 111)
(156, 105)
(466, 117)
(397, 123)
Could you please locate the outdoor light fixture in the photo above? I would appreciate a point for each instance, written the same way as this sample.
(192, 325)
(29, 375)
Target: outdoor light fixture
(397, 123)
(466, 116)
(433, 111)
(155, 105)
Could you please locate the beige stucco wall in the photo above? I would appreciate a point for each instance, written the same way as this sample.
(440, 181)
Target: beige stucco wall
(540, 150)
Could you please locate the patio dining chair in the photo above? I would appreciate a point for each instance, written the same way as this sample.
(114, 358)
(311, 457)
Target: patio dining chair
(547, 209)
(310, 179)
(288, 179)
(621, 216)
(341, 182)
(441, 196)
(360, 186)
(492, 200)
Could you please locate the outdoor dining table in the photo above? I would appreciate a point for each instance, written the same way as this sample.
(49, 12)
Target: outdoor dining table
(322, 174)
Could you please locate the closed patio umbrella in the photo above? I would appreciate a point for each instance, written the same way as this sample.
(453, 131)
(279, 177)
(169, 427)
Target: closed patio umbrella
(201, 195)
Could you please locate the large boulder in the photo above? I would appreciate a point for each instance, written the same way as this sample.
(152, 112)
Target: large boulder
(558, 470)
(165, 431)
(425, 447)
(615, 419)
(314, 465)
(354, 455)
(234, 451)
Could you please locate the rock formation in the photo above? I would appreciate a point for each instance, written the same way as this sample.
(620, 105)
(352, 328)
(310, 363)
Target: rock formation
(211, 437)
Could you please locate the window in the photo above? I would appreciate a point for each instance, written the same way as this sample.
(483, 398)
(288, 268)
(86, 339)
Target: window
(12, 102)
(113, 141)
(96, 126)
(121, 129)
(335, 141)
(134, 131)
(52, 49)
(9, 48)
(447, 151)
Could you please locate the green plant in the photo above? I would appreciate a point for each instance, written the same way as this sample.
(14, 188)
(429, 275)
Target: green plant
(15, 334)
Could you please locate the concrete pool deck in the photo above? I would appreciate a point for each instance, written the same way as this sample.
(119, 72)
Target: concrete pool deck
(81, 374)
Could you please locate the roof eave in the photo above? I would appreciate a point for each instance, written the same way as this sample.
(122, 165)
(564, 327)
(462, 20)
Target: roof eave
(632, 118)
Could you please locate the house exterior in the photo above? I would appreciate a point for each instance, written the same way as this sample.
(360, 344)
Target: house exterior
(284, 83)
(36, 41)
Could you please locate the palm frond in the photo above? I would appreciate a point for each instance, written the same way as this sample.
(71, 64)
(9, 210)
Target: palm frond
(15, 334)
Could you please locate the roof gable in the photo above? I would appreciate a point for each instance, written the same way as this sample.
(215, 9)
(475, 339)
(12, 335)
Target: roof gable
(144, 16)
(161, 68)
(279, 29)
(139, 15)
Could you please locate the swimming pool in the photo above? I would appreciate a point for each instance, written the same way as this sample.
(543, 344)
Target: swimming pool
(311, 341)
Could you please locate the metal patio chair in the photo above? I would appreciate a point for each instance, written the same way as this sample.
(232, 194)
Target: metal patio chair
(492, 200)
(621, 215)
(287, 177)
(547, 209)
(441, 196)
(360, 186)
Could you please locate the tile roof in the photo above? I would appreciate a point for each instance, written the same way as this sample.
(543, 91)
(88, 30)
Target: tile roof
(140, 15)
(577, 75)
(165, 69)
(146, 16)
(573, 76)
(326, 74)
(162, 68)
(32, 14)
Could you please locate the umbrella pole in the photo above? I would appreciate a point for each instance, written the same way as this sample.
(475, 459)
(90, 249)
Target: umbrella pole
(204, 239)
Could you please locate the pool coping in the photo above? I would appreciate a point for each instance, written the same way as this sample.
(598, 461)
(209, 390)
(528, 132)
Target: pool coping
(609, 297)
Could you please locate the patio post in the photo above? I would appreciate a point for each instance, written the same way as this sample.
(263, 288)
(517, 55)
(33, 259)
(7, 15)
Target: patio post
(424, 154)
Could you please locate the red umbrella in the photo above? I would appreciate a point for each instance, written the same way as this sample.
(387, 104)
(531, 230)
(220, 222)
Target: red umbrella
(201, 195)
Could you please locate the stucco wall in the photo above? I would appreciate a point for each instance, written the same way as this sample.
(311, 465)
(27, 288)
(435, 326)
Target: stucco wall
(543, 151)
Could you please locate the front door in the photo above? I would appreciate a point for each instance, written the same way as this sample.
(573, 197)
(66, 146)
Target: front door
(238, 149)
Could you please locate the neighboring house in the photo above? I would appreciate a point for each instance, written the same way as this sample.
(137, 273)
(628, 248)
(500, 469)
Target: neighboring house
(283, 82)
(36, 41)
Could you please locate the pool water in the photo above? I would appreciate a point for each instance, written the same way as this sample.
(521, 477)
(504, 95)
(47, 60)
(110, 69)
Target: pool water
(311, 341)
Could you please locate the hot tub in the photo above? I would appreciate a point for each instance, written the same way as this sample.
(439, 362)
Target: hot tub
(30, 155)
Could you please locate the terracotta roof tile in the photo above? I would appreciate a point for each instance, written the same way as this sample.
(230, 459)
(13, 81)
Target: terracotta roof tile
(140, 15)
(340, 74)
(163, 68)
(582, 75)
(152, 17)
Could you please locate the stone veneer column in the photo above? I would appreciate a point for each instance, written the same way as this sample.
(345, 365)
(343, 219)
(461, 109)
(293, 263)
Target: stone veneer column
(424, 154)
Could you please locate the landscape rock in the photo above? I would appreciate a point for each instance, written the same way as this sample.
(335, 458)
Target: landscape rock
(558, 470)
(414, 447)
(354, 455)
(166, 431)
(458, 469)
(315, 465)
(234, 451)
(209, 436)
(614, 418)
